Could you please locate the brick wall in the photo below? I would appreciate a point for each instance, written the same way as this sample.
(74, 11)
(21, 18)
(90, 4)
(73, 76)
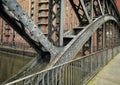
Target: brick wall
(118, 4)
(7, 33)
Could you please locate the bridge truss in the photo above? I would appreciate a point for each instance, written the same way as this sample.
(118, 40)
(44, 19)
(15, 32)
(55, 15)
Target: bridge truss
(97, 30)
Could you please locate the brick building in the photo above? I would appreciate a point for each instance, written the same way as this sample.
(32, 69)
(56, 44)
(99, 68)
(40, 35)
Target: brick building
(118, 4)
(39, 13)
(7, 35)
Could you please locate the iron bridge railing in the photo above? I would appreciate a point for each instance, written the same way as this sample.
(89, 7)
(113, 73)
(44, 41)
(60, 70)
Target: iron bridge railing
(74, 72)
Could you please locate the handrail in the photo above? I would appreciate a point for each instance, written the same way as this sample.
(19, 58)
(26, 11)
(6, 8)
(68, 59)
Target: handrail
(80, 59)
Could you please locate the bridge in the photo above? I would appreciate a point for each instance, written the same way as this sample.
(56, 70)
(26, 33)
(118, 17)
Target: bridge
(73, 57)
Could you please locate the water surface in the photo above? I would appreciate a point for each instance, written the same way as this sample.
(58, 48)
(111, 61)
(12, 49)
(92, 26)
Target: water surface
(11, 64)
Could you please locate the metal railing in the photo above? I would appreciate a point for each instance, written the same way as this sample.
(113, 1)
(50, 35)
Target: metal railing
(74, 72)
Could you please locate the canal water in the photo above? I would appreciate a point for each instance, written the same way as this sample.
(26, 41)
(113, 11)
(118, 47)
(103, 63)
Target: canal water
(11, 64)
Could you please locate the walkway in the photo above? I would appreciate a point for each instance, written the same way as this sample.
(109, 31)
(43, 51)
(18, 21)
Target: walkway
(109, 75)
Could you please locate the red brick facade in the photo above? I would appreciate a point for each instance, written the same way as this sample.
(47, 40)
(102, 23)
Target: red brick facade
(70, 19)
(7, 34)
(118, 4)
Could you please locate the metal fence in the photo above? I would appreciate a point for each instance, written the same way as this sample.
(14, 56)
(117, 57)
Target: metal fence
(74, 72)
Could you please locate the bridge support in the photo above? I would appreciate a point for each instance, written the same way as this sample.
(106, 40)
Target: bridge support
(22, 17)
(56, 21)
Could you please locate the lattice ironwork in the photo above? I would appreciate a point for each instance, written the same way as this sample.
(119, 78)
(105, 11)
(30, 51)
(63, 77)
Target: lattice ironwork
(80, 11)
(107, 35)
(116, 36)
(111, 34)
(97, 7)
(87, 47)
(54, 21)
(100, 38)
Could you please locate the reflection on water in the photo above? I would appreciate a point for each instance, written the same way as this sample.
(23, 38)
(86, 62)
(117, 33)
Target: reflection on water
(11, 64)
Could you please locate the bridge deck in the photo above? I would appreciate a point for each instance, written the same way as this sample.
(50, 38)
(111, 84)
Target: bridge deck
(109, 75)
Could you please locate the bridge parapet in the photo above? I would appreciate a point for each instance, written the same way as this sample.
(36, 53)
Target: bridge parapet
(73, 72)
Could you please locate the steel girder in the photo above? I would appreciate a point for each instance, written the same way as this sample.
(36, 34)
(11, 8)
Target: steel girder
(20, 14)
(19, 28)
(86, 8)
(76, 44)
(55, 23)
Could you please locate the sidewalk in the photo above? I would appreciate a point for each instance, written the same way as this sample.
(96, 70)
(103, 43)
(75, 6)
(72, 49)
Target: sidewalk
(109, 75)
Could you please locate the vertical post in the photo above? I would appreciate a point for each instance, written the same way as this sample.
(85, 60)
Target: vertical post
(50, 20)
(92, 42)
(82, 71)
(91, 66)
(61, 24)
(56, 74)
(91, 9)
(104, 44)
(87, 47)
(104, 36)
(118, 35)
(43, 81)
(2, 32)
(56, 21)
(48, 79)
(111, 12)
(52, 80)
(100, 38)
(114, 37)
(60, 75)
(13, 44)
(109, 34)
(103, 4)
